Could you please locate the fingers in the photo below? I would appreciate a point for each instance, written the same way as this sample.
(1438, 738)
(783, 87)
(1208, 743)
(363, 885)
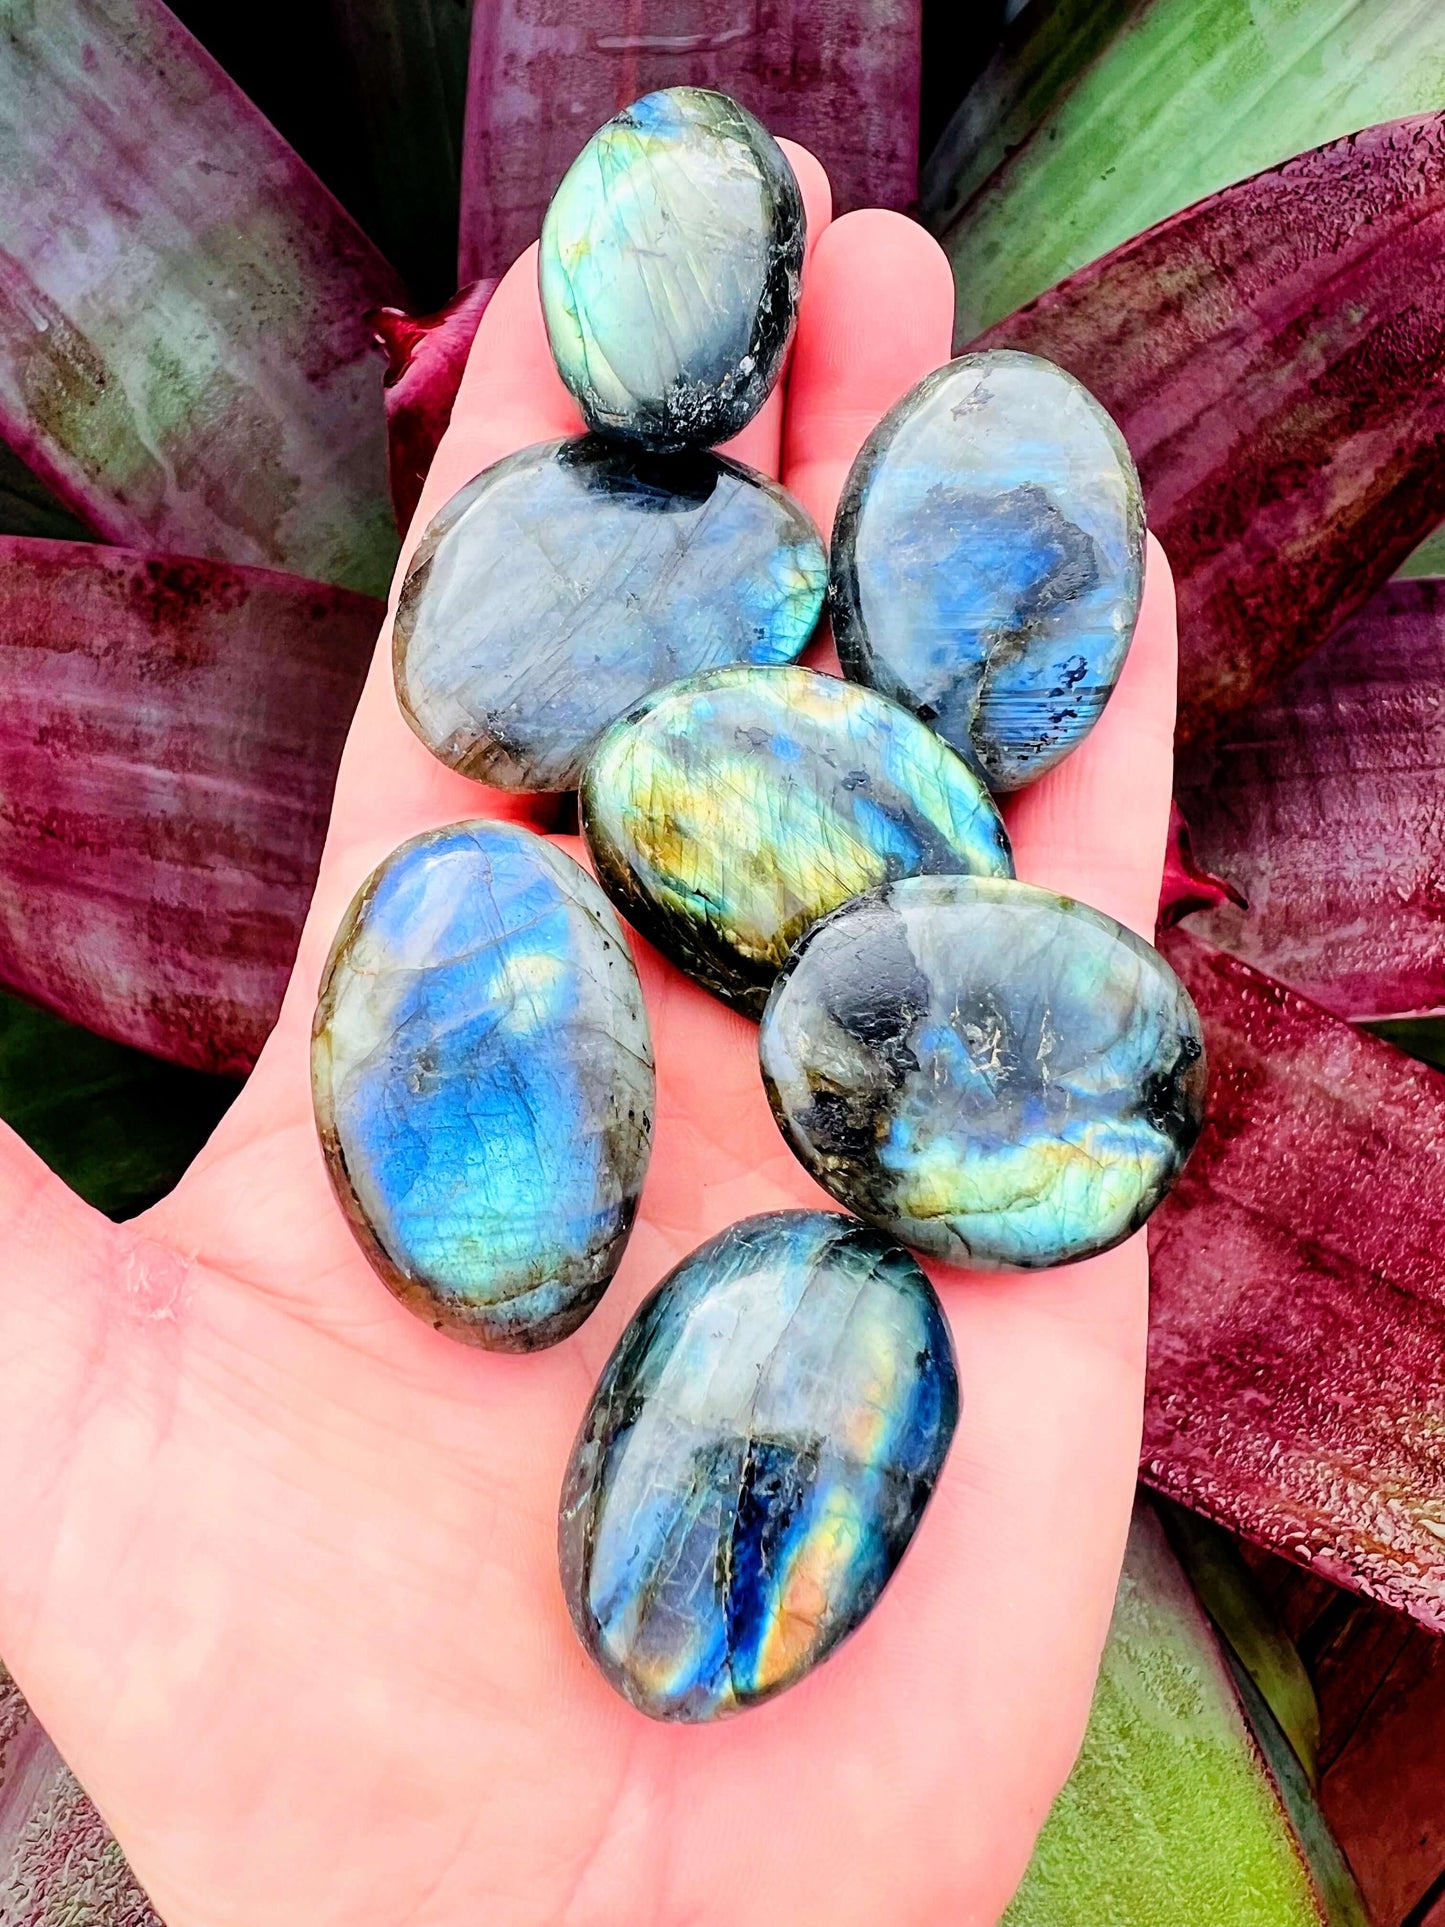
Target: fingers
(1094, 828)
(877, 315)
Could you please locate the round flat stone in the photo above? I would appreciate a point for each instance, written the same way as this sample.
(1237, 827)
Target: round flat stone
(997, 1075)
(988, 560)
(670, 264)
(727, 814)
(568, 581)
(483, 1082)
(755, 1460)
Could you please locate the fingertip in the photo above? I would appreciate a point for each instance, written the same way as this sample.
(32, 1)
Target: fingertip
(877, 316)
(814, 186)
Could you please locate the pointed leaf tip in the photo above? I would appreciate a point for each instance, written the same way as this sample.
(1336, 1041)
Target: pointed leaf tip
(426, 358)
(1273, 357)
(1187, 885)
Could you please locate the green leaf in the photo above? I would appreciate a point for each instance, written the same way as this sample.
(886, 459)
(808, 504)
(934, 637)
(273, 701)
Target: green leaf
(1185, 98)
(1171, 1817)
(184, 358)
(1227, 1591)
(118, 1125)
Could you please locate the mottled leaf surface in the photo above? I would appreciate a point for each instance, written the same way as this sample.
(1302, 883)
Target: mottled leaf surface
(1323, 806)
(183, 354)
(841, 76)
(1171, 1817)
(1298, 1301)
(1273, 356)
(1102, 118)
(168, 746)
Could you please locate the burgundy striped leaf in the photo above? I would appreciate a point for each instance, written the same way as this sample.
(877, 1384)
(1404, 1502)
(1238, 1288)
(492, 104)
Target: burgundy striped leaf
(183, 352)
(168, 747)
(59, 1866)
(1298, 1300)
(1323, 805)
(425, 358)
(841, 76)
(1273, 355)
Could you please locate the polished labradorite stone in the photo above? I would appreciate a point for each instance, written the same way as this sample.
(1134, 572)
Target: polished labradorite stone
(483, 1082)
(727, 814)
(996, 1075)
(568, 581)
(670, 264)
(755, 1461)
(988, 559)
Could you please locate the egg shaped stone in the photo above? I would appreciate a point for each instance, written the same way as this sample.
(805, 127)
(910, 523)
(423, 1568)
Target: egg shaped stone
(755, 1461)
(482, 1075)
(569, 580)
(997, 1075)
(988, 560)
(670, 265)
(727, 814)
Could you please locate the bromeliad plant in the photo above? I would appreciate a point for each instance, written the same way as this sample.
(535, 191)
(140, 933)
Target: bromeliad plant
(195, 524)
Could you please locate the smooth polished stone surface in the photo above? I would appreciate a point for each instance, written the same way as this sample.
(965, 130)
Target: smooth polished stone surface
(988, 560)
(568, 581)
(483, 1082)
(756, 1458)
(727, 814)
(670, 265)
(999, 1076)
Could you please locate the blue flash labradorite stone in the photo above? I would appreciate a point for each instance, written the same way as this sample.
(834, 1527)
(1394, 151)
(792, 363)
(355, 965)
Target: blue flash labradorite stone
(670, 264)
(727, 814)
(483, 1082)
(755, 1461)
(996, 1075)
(568, 581)
(988, 560)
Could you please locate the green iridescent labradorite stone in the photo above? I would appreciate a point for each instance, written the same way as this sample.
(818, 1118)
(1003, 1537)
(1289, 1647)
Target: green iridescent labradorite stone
(727, 814)
(483, 1082)
(755, 1461)
(988, 560)
(997, 1075)
(670, 264)
(568, 581)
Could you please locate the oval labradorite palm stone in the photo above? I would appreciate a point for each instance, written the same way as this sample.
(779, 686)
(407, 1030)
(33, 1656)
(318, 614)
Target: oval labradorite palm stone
(670, 264)
(755, 1460)
(483, 1082)
(569, 580)
(997, 1075)
(988, 560)
(727, 814)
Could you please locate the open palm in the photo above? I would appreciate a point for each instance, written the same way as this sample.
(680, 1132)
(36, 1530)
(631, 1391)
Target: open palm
(280, 1569)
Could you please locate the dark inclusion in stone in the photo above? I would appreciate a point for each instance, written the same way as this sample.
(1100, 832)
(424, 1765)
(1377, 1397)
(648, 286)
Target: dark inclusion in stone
(483, 1082)
(988, 560)
(570, 580)
(755, 1461)
(727, 814)
(670, 264)
(995, 1074)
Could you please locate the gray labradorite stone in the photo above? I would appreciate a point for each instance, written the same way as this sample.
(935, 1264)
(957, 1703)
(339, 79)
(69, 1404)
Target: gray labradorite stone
(670, 264)
(997, 1075)
(483, 1083)
(988, 560)
(727, 814)
(755, 1461)
(570, 580)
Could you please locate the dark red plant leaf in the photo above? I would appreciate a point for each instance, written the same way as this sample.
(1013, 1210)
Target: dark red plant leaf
(1187, 885)
(1298, 1301)
(425, 356)
(168, 747)
(183, 355)
(841, 76)
(1324, 805)
(1273, 355)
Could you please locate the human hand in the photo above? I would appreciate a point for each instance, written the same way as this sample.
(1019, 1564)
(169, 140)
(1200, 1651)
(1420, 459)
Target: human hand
(280, 1561)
